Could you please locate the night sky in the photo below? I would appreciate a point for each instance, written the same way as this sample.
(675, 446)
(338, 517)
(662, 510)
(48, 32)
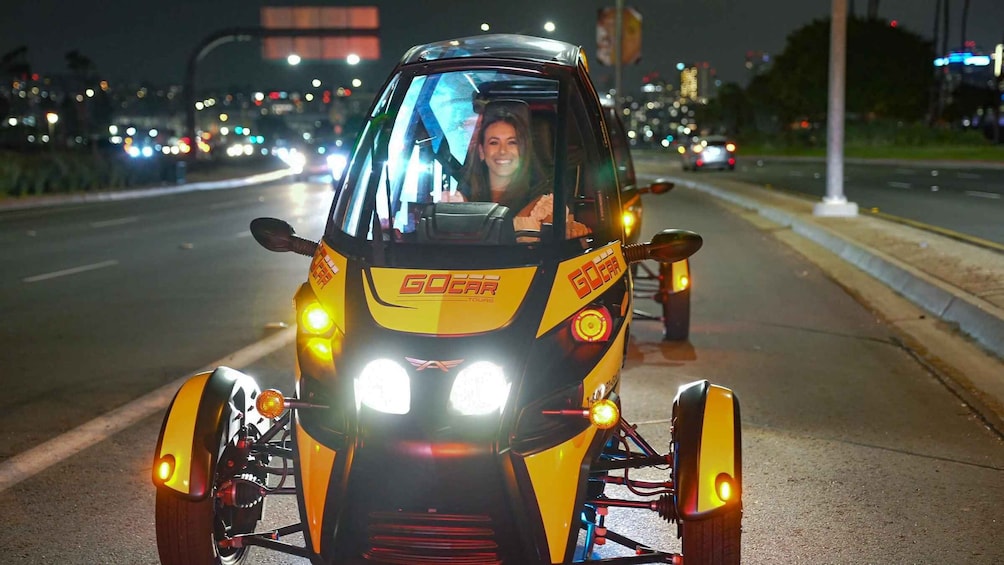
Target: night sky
(133, 40)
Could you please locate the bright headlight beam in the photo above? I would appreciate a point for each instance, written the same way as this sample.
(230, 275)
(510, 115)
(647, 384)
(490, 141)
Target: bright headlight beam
(384, 386)
(480, 388)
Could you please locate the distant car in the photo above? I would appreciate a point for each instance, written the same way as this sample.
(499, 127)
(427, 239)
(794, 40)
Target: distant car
(712, 152)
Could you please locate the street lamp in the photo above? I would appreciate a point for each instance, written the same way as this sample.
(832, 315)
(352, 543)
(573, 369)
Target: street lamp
(52, 118)
(293, 59)
(549, 27)
(352, 59)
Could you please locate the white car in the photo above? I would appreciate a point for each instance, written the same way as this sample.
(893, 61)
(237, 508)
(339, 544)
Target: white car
(712, 152)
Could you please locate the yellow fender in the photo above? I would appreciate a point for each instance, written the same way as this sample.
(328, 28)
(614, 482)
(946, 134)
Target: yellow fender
(707, 450)
(207, 411)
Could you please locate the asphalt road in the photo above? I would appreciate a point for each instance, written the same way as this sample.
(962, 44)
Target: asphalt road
(852, 450)
(967, 200)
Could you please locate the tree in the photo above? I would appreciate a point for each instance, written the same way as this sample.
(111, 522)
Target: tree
(13, 66)
(888, 72)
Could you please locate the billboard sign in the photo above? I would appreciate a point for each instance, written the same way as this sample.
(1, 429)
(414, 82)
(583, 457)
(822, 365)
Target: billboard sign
(357, 18)
(630, 36)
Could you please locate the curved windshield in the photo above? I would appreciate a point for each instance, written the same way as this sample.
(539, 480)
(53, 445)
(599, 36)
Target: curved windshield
(469, 156)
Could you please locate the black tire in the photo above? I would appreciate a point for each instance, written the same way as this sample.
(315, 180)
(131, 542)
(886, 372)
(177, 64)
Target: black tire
(186, 532)
(676, 316)
(714, 541)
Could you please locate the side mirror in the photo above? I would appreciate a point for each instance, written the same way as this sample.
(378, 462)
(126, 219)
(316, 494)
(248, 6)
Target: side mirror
(667, 246)
(277, 235)
(660, 186)
(670, 246)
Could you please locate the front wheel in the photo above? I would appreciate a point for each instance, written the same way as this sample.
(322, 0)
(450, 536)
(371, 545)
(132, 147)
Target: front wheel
(713, 541)
(187, 532)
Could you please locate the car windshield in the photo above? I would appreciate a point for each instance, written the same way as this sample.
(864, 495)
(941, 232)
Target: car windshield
(468, 156)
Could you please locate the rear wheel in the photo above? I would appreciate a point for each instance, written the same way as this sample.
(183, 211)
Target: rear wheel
(676, 315)
(713, 541)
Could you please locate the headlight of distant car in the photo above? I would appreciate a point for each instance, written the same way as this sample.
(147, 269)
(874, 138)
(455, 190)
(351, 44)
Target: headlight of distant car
(383, 385)
(337, 163)
(480, 388)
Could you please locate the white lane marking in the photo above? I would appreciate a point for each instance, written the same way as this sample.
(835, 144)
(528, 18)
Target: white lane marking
(70, 271)
(29, 463)
(796, 174)
(904, 171)
(968, 176)
(228, 204)
(897, 184)
(979, 194)
(115, 222)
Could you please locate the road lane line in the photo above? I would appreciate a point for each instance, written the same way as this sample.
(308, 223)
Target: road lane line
(897, 184)
(979, 194)
(29, 463)
(70, 271)
(969, 176)
(115, 222)
(227, 204)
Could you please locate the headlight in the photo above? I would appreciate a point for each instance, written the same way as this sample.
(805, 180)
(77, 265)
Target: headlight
(479, 389)
(384, 386)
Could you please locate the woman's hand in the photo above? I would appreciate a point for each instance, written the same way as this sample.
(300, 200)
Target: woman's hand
(575, 229)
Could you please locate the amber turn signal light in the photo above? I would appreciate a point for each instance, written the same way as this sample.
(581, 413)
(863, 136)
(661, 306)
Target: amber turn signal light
(270, 403)
(604, 414)
(165, 468)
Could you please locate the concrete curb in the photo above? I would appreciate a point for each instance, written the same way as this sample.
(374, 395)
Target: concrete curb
(111, 196)
(982, 321)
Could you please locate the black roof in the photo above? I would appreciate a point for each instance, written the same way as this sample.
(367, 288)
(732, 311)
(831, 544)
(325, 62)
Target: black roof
(503, 46)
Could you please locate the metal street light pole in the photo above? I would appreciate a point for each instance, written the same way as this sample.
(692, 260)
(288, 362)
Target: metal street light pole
(223, 36)
(834, 203)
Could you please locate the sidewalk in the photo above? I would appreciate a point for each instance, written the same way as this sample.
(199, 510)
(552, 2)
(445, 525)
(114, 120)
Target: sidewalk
(956, 289)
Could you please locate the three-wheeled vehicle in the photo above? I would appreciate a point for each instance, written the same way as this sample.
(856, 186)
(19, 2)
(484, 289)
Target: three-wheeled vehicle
(456, 389)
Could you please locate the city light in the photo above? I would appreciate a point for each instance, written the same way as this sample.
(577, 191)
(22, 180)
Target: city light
(352, 59)
(549, 27)
(485, 27)
(293, 59)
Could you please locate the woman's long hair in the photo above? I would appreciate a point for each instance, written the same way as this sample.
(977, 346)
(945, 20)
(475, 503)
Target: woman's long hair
(518, 193)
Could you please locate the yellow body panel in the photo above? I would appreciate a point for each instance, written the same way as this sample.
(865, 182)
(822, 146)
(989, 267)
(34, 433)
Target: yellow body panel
(579, 281)
(446, 302)
(717, 446)
(180, 431)
(554, 474)
(327, 278)
(315, 465)
(605, 376)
